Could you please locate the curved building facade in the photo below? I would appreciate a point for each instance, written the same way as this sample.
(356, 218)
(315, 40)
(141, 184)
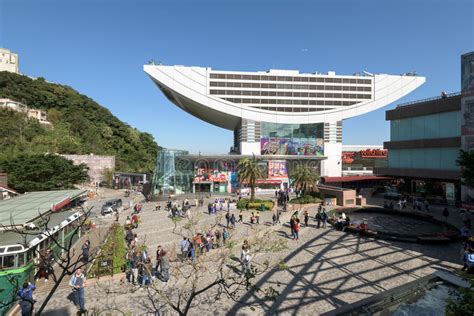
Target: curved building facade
(281, 112)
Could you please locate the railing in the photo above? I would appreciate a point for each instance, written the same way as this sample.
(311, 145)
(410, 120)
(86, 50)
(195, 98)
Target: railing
(455, 94)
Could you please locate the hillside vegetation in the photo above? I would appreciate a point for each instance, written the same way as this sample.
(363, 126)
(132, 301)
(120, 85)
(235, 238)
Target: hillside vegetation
(81, 126)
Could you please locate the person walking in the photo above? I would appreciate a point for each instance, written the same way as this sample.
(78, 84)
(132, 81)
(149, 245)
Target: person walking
(292, 225)
(232, 220)
(227, 217)
(241, 216)
(26, 299)
(85, 251)
(296, 229)
(165, 267)
(245, 259)
(446, 213)
(324, 217)
(78, 280)
(257, 216)
(184, 248)
(318, 219)
(225, 236)
(306, 218)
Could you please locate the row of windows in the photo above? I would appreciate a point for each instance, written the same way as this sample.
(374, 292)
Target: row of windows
(291, 110)
(287, 78)
(292, 94)
(296, 102)
(286, 86)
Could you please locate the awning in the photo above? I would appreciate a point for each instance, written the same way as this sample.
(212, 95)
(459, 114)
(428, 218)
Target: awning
(354, 179)
(5, 188)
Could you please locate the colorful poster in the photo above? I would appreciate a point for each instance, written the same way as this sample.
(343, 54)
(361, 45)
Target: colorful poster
(291, 146)
(210, 175)
(277, 169)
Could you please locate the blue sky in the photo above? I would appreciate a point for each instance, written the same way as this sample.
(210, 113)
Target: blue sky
(99, 48)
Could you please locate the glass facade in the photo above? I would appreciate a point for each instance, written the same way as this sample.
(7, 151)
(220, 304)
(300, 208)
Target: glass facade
(439, 125)
(172, 176)
(424, 158)
(292, 139)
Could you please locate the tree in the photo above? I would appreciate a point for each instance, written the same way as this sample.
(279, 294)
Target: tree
(42, 172)
(466, 161)
(83, 126)
(304, 177)
(210, 276)
(249, 171)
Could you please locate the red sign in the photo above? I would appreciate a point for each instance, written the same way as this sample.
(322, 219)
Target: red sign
(348, 157)
(60, 205)
(373, 153)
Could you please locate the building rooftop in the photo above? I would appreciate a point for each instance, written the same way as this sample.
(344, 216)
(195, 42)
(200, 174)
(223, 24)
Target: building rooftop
(29, 206)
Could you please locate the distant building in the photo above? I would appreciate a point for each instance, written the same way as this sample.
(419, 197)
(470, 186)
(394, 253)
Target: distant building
(97, 165)
(8, 61)
(6, 192)
(360, 160)
(425, 139)
(39, 115)
(13, 105)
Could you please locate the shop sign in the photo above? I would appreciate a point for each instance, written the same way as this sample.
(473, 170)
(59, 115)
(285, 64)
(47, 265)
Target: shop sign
(450, 191)
(277, 169)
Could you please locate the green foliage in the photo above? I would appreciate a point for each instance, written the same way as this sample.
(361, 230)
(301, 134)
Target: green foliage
(278, 245)
(81, 126)
(282, 266)
(114, 249)
(246, 204)
(466, 161)
(306, 199)
(304, 177)
(462, 302)
(42, 172)
(249, 171)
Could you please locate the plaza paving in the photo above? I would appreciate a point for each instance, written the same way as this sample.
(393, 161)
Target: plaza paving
(326, 269)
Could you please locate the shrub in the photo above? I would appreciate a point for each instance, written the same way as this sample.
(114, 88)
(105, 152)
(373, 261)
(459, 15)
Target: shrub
(114, 249)
(245, 203)
(306, 199)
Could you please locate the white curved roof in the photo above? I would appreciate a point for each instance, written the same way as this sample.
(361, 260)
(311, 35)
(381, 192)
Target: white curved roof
(224, 98)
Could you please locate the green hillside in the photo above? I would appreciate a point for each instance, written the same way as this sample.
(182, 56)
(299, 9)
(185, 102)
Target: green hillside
(81, 126)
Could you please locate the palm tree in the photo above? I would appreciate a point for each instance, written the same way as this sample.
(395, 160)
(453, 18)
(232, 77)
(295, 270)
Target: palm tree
(249, 171)
(304, 177)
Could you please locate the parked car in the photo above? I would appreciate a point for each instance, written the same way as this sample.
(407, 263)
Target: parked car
(111, 206)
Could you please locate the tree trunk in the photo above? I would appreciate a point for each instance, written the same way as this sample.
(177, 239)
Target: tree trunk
(252, 191)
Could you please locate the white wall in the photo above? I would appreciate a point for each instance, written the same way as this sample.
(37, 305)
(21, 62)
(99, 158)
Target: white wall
(249, 148)
(332, 166)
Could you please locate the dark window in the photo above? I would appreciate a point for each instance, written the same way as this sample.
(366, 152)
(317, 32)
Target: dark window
(329, 95)
(288, 78)
(246, 77)
(297, 102)
(247, 100)
(337, 95)
(320, 95)
(246, 85)
(319, 79)
(280, 78)
(297, 94)
(246, 93)
(304, 94)
(255, 101)
(312, 79)
(304, 79)
(257, 93)
(237, 84)
(265, 85)
(214, 76)
(329, 88)
(271, 101)
(264, 101)
(304, 102)
(272, 93)
(313, 87)
(346, 96)
(238, 100)
(264, 93)
(328, 102)
(230, 92)
(296, 79)
(367, 96)
(264, 77)
(337, 80)
(272, 78)
(312, 95)
(255, 85)
(353, 80)
(346, 80)
(367, 88)
(353, 96)
(230, 84)
(272, 86)
(329, 80)
(238, 92)
(337, 88)
(213, 84)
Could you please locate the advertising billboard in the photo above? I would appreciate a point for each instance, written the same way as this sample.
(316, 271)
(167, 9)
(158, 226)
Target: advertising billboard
(277, 169)
(291, 146)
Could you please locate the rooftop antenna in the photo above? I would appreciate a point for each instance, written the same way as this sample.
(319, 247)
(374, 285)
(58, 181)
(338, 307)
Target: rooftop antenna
(368, 73)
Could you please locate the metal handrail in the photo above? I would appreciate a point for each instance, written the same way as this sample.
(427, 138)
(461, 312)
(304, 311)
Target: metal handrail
(429, 99)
